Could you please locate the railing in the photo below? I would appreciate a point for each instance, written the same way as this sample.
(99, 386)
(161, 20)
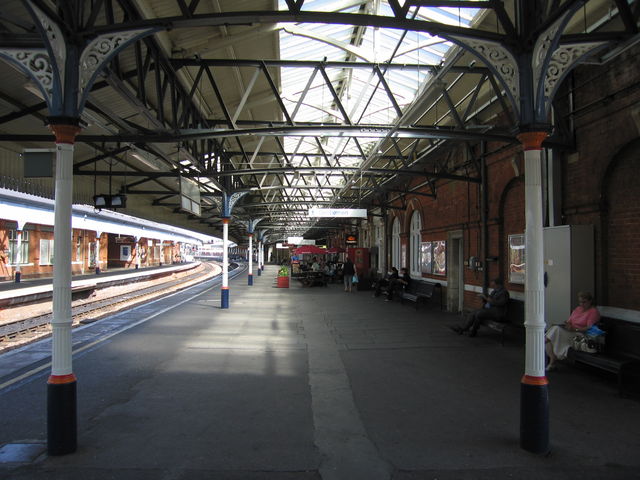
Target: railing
(44, 188)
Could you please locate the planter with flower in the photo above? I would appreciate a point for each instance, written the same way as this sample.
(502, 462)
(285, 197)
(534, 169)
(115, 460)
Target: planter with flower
(283, 277)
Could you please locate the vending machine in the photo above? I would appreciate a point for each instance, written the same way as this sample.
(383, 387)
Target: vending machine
(360, 258)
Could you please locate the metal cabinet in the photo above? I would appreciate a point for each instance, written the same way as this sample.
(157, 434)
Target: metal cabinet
(569, 269)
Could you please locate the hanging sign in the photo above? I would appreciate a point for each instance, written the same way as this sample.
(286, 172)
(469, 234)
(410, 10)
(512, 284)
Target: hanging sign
(338, 212)
(351, 240)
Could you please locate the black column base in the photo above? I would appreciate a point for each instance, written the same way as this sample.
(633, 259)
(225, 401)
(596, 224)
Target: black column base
(61, 415)
(534, 415)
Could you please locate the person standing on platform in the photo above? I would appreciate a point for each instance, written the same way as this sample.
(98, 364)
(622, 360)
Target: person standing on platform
(348, 271)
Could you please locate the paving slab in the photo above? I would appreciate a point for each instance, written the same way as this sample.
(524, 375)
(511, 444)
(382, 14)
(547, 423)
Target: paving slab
(310, 383)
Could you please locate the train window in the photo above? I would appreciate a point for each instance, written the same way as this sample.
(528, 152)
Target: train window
(13, 247)
(46, 251)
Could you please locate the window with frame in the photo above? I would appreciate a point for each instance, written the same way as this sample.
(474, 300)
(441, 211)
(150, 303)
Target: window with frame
(92, 254)
(415, 253)
(125, 252)
(13, 247)
(46, 251)
(78, 248)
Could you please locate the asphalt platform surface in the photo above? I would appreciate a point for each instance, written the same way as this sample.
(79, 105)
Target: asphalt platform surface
(304, 383)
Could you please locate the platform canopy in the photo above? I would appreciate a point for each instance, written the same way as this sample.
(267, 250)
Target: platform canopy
(301, 103)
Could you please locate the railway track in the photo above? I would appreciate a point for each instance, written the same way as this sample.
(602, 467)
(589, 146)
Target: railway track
(102, 303)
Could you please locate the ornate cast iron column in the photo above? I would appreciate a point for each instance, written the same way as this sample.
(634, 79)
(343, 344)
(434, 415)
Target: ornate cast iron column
(228, 202)
(251, 227)
(64, 71)
(530, 78)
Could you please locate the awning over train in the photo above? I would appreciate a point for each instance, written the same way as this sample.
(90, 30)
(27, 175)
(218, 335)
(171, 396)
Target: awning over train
(29, 209)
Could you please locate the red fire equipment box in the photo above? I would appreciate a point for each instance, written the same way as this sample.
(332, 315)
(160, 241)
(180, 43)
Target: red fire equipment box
(360, 258)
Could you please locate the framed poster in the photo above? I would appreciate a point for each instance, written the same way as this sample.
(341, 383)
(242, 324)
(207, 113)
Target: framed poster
(439, 256)
(433, 257)
(426, 258)
(517, 259)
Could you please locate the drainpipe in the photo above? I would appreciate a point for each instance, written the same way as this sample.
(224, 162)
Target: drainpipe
(484, 231)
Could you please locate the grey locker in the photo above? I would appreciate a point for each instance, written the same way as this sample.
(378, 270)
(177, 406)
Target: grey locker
(569, 268)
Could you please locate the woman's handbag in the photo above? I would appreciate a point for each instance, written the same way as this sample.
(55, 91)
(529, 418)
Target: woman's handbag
(581, 343)
(354, 279)
(596, 337)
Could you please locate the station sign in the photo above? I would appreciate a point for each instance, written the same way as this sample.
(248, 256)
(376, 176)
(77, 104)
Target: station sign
(125, 239)
(338, 212)
(300, 241)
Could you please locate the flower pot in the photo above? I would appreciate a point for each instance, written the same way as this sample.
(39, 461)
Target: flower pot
(283, 282)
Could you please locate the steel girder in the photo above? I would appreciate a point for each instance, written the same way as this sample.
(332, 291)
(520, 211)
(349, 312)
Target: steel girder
(167, 107)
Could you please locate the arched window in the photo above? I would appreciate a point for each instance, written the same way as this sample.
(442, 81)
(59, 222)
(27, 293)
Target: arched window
(414, 245)
(395, 245)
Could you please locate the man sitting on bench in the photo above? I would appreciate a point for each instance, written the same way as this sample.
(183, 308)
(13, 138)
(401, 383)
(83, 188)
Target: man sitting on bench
(398, 284)
(494, 309)
(384, 283)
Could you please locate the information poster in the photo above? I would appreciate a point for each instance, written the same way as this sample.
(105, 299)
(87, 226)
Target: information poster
(426, 258)
(517, 263)
(433, 257)
(439, 257)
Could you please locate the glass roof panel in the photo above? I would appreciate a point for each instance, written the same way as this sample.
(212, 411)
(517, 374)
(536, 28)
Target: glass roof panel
(361, 94)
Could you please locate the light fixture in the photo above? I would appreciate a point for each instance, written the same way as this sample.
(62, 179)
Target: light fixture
(109, 201)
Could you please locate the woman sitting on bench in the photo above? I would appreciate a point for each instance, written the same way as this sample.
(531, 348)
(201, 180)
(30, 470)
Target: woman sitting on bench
(559, 338)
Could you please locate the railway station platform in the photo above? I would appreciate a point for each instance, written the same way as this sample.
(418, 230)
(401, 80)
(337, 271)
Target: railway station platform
(304, 383)
(33, 289)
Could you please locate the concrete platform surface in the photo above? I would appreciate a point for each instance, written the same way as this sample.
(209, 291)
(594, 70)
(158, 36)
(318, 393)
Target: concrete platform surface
(306, 383)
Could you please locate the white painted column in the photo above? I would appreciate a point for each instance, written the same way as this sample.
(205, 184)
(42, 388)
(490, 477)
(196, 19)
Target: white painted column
(534, 277)
(61, 323)
(534, 396)
(260, 254)
(138, 262)
(250, 280)
(98, 235)
(18, 272)
(224, 299)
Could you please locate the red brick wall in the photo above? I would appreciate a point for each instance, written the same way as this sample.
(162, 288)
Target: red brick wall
(599, 186)
(621, 230)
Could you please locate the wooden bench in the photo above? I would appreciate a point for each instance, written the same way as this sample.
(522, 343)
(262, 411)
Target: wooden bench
(621, 355)
(513, 316)
(420, 291)
(309, 279)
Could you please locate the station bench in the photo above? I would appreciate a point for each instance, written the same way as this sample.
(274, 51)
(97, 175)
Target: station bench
(621, 354)
(419, 291)
(513, 317)
(309, 279)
